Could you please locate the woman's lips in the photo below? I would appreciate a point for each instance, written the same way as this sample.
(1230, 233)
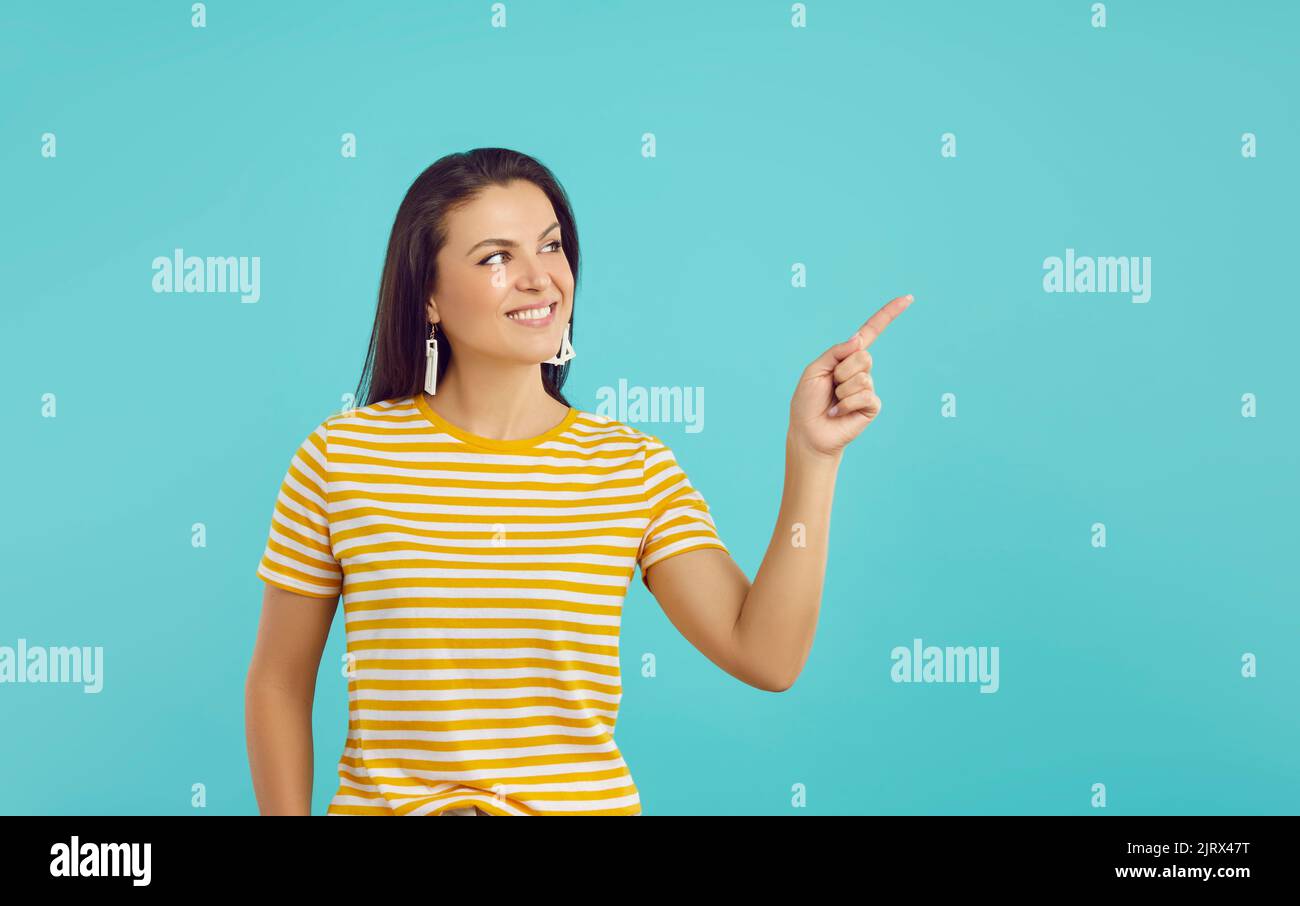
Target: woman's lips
(535, 322)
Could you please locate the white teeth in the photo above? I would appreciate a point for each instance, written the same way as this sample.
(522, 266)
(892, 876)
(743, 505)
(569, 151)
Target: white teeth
(531, 314)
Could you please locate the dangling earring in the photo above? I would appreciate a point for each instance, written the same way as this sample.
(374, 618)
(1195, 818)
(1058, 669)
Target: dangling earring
(566, 348)
(431, 361)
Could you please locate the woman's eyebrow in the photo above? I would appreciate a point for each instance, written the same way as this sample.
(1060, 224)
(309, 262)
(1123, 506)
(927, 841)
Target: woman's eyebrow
(510, 243)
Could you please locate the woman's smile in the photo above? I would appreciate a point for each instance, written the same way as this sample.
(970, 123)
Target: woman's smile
(539, 315)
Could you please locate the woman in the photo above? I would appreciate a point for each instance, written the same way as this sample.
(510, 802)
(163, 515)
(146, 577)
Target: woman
(484, 532)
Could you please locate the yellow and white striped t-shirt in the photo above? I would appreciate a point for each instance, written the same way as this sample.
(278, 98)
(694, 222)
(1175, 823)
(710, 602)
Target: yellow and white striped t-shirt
(483, 584)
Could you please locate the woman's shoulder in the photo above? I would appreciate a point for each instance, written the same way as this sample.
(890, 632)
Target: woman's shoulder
(401, 408)
(603, 425)
(366, 418)
(591, 425)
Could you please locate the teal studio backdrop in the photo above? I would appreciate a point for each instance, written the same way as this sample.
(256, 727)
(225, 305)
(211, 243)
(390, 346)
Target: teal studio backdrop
(748, 190)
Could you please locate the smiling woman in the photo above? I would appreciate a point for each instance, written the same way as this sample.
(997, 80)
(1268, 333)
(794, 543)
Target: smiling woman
(483, 532)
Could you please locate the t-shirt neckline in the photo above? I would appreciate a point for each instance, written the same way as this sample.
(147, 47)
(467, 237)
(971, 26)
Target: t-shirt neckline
(489, 443)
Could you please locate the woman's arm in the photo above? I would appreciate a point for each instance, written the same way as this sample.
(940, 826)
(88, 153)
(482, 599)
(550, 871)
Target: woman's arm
(278, 696)
(763, 633)
(760, 633)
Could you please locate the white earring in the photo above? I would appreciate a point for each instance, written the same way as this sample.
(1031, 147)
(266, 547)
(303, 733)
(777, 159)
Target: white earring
(431, 361)
(566, 349)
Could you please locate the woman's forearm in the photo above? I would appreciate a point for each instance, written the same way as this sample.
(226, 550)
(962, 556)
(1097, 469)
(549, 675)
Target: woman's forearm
(277, 722)
(779, 617)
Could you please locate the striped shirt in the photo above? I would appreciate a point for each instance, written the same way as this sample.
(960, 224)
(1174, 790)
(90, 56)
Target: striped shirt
(483, 584)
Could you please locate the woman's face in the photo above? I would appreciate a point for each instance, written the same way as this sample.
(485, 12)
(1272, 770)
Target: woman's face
(503, 252)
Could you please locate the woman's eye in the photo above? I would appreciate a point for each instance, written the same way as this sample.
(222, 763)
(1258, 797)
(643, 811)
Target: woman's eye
(554, 242)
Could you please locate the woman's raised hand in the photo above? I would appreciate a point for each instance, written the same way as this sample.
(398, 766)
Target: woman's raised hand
(836, 397)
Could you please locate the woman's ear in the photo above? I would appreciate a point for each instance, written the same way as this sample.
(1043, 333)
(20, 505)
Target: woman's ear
(431, 311)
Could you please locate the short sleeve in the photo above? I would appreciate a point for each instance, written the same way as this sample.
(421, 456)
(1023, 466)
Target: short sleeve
(680, 520)
(298, 555)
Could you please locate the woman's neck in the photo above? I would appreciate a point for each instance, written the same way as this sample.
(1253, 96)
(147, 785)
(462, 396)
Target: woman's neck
(502, 404)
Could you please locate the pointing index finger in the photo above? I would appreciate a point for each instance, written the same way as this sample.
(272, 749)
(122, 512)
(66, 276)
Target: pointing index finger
(877, 323)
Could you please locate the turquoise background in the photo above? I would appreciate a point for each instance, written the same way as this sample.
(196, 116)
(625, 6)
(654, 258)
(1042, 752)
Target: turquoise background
(775, 145)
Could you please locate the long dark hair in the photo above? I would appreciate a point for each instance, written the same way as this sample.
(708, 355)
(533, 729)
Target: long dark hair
(395, 359)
